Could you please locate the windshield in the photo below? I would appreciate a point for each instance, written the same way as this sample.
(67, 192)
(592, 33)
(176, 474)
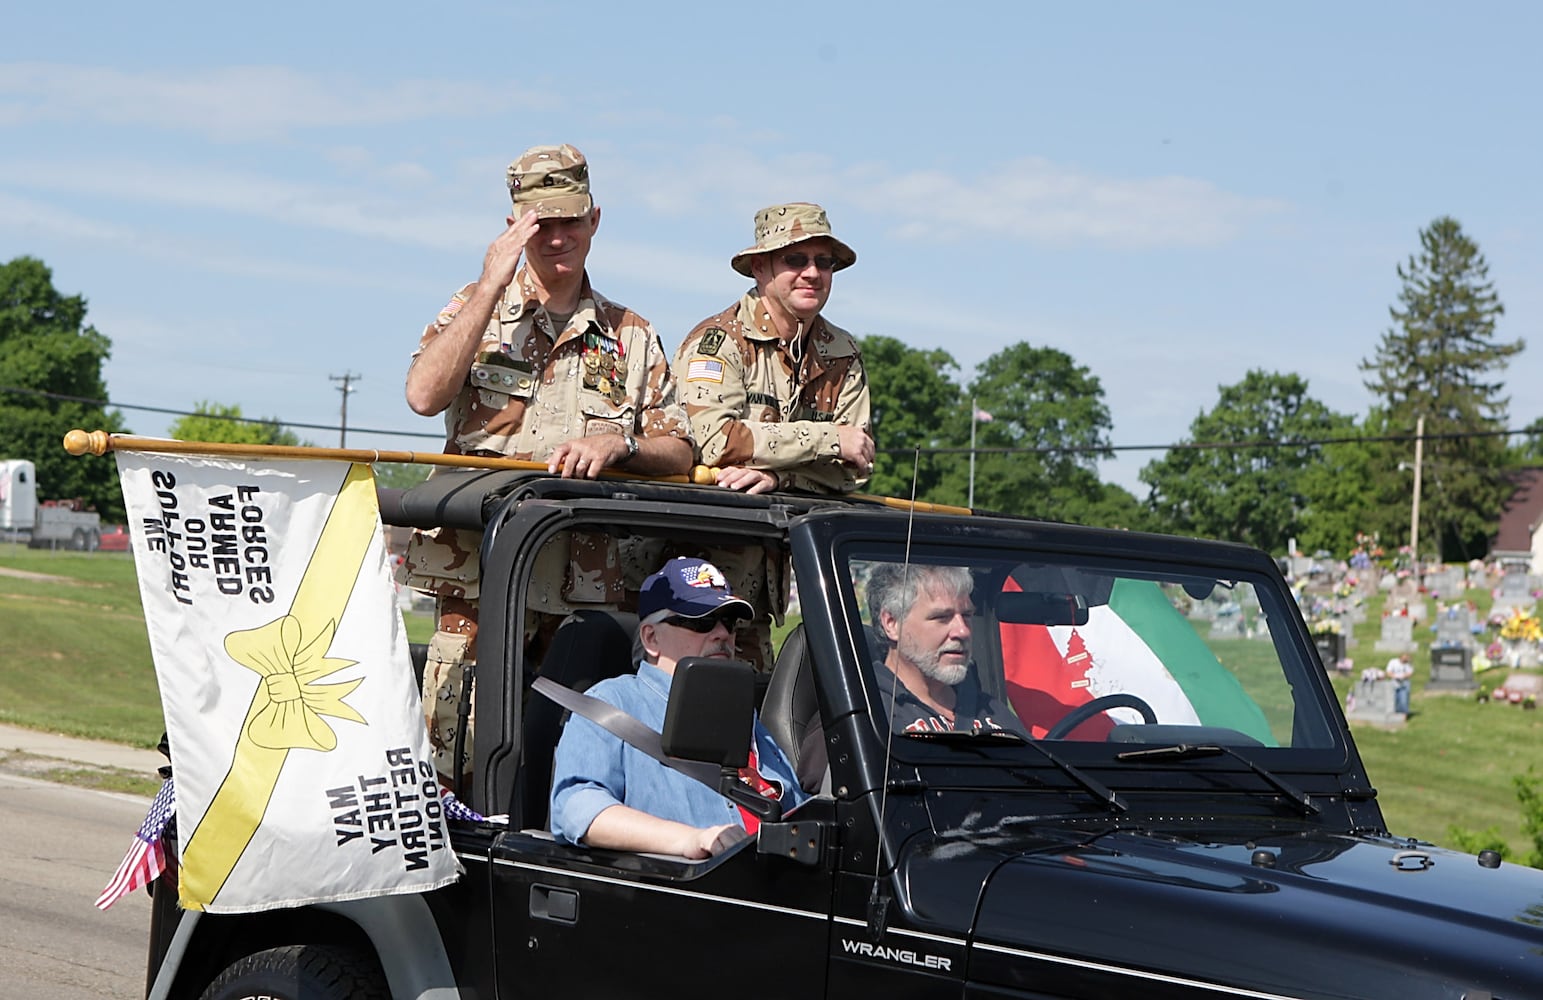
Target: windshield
(1081, 650)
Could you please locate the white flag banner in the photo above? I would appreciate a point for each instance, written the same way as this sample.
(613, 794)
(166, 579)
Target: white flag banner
(298, 746)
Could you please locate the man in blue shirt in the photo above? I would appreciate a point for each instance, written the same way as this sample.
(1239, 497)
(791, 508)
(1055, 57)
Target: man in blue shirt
(608, 794)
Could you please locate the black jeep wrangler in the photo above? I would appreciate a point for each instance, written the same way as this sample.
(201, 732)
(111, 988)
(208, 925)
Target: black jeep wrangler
(1168, 814)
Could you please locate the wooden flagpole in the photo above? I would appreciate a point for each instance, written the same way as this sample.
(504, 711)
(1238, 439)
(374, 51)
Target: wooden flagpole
(79, 442)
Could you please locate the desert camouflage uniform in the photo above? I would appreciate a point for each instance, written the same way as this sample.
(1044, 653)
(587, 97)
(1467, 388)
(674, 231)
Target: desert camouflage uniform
(530, 389)
(753, 403)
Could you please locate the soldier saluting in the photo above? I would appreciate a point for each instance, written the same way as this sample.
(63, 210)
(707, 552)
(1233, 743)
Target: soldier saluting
(532, 363)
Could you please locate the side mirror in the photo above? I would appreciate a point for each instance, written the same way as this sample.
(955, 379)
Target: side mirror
(711, 711)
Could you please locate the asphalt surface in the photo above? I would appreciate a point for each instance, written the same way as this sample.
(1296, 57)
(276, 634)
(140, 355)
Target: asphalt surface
(63, 844)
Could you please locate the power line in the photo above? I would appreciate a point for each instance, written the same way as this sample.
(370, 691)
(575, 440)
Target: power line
(107, 403)
(949, 450)
(1197, 445)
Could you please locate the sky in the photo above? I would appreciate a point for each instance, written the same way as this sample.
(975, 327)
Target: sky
(257, 201)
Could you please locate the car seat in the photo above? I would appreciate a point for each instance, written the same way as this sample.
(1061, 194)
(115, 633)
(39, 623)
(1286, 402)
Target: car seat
(588, 646)
(791, 712)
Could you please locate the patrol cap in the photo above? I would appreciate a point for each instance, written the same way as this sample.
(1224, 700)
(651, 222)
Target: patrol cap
(689, 588)
(783, 225)
(553, 180)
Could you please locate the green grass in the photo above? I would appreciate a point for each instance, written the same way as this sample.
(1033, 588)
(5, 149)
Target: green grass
(75, 659)
(1451, 764)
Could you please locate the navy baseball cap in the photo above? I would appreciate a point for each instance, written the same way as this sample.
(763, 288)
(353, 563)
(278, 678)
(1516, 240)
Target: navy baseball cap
(688, 588)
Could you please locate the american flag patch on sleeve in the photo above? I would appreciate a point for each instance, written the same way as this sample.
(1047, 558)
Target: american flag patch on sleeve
(704, 370)
(452, 307)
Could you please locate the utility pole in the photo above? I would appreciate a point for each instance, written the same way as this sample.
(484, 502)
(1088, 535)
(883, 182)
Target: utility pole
(348, 379)
(1414, 513)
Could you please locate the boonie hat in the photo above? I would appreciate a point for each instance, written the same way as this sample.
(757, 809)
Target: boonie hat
(783, 225)
(553, 180)
(689, 588)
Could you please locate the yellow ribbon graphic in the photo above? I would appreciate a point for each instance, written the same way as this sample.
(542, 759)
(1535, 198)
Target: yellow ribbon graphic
(287, 710)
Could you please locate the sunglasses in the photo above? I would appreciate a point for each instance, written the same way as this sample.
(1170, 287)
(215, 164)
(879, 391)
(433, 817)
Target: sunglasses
(705, 624)
(798, 261)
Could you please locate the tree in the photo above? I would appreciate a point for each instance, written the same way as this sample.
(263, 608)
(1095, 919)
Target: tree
(1440, 360)
(1340, 500)
(400, 475)
(50, 383)
(1528, 449)
(1254, 494)
(225, 424)
(1040, 400)
(915, 405)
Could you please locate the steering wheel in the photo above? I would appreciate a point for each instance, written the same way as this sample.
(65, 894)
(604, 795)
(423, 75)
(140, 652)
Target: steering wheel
(1082, 713)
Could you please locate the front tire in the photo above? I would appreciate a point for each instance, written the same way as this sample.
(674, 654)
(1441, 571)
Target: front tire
(301, 972)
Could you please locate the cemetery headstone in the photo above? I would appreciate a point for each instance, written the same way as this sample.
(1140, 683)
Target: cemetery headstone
(1446, 583)
(1454, 627)
(1371, 700)
(1451, 670)
(1227, 627)
(1331, 649)
(1397, 635)
(1347, 623)
(1515, 592)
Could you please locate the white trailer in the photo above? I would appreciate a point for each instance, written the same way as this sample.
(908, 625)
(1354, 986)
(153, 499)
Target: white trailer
(18, 495)
(58, 524)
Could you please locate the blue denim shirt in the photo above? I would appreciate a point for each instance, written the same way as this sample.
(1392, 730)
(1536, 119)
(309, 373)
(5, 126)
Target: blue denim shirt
(593, 770)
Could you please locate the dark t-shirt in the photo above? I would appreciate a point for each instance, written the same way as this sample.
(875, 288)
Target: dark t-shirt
(974, 709)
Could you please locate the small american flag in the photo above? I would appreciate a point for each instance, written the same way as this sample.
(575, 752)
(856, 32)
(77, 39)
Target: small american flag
(983, 417)
(456, 809)
(704, 370)
(146, 857)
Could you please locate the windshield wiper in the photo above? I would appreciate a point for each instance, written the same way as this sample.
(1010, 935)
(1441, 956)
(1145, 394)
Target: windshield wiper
(967, 738)
(1182, 751)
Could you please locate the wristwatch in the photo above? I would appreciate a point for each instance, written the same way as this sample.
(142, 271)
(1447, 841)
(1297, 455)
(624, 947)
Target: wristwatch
(632, 448)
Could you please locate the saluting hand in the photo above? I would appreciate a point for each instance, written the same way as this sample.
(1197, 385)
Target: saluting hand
(503, 256)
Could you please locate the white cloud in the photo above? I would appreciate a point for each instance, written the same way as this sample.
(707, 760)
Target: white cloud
(1035, 200)
(356, 210)
(1029, 200)
(32, 220)
(239, 103)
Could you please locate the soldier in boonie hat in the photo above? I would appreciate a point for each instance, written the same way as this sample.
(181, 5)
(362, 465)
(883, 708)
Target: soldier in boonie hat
(802, 412)
(784, 225)
(551, 180)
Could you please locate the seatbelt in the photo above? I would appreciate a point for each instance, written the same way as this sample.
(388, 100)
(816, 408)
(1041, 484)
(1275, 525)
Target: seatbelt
(625, 728)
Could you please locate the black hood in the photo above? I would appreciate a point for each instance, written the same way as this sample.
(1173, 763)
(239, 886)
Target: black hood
(1300, 915)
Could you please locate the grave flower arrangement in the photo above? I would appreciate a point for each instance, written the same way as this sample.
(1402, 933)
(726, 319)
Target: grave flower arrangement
(1522, 626)
(1326, 626)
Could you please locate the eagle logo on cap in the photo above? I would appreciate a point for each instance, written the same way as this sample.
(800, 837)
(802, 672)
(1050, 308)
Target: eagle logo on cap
(705, 575)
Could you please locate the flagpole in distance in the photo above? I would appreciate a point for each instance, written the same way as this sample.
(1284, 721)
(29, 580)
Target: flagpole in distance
(79, 442)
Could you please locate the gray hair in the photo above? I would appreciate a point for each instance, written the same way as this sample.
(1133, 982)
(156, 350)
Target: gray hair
(893, 587)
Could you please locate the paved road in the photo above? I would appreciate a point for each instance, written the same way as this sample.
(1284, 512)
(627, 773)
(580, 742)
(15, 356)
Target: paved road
(60, 846)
